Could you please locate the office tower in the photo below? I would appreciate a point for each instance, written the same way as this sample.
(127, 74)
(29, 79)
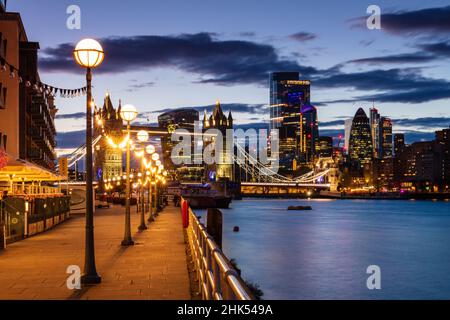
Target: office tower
(171, 121)
(287, 96)
(347, 128)
(325, 147)
(443, 140)
(360, 144)
(375, 125)
(399, 143)
(386, 137)
(309, 134)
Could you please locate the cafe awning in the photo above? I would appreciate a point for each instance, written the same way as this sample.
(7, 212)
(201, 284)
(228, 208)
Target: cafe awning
(19, 170)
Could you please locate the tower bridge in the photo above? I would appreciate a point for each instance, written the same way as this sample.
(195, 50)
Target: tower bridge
(254, 176)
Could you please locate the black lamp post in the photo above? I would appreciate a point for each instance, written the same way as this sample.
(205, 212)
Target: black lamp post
(89, 54)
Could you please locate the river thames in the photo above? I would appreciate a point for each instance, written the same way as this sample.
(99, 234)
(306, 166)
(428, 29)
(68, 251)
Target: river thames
(324, 253)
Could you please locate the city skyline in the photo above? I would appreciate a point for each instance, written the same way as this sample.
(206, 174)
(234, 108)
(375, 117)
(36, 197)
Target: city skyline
(402, 71)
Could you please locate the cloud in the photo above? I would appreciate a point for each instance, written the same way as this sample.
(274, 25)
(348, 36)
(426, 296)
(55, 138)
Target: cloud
(427, 123)
(76, 115)
(224, 62)
(303, 36)
(234, 107)
(424, 123)
(70, 139)
(429, 20)
(440, 49)
(135, 87)
(416, 57)
(394, 85)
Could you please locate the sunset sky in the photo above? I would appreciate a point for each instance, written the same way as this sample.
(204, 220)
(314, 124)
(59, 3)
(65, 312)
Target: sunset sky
(169, 54)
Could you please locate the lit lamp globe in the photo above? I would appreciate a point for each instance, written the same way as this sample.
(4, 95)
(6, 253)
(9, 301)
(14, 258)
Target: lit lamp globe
(150, 149)
(128, 112)
(142, 136)
(155, 157)
(158, 163)
(161, 167)
(89, 53)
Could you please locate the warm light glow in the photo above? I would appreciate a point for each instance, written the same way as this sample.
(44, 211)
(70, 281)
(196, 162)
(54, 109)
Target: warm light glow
(128, 112)
(89, 53)
(150, 149)
(155, 157)
(158, 163)
(142, 136)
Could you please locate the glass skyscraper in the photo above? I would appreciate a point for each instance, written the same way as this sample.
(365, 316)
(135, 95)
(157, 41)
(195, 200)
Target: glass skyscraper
(360, 144)
(288, 95)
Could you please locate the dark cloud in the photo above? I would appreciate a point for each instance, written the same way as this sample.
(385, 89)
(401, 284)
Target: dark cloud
(429, 20)
(234, 62)
(234, 107)
(425, 122)
(395, 85)
(214, 61)
(70, 139)
(135, 87)
(254, 125)
(440, 49)
(76, 115)
(303, 36)
(416, 57)
(333, 123)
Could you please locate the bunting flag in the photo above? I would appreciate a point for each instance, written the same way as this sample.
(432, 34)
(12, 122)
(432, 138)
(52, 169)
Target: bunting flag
(38, 85)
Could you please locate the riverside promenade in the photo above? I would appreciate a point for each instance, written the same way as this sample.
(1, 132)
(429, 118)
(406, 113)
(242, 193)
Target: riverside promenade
(154, 268)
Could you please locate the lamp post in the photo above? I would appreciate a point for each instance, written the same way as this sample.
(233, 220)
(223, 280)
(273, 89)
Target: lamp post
(150, 149)
(142, 137)
(128, 113)
(155, 158)
(89, 54)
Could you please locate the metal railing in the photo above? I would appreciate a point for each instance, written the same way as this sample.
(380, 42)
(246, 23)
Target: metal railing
(217, 279)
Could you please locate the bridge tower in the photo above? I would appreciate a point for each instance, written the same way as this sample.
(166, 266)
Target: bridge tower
(108, 160)
(218, 120)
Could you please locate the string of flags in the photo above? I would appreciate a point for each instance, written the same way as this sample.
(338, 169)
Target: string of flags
(39, 86)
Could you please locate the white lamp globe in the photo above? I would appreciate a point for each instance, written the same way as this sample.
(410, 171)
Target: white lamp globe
(155, 156)
(158, 163)
(142, 136)
(128, 112)
(89, 53)
(150, 149)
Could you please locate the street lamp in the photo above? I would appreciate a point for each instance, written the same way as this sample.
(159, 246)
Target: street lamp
(89, 54)
(142, 136)
(150, 149)
(128, 113)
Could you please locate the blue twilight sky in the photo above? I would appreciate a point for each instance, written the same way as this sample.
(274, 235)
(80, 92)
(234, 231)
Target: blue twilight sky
(169, 54)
